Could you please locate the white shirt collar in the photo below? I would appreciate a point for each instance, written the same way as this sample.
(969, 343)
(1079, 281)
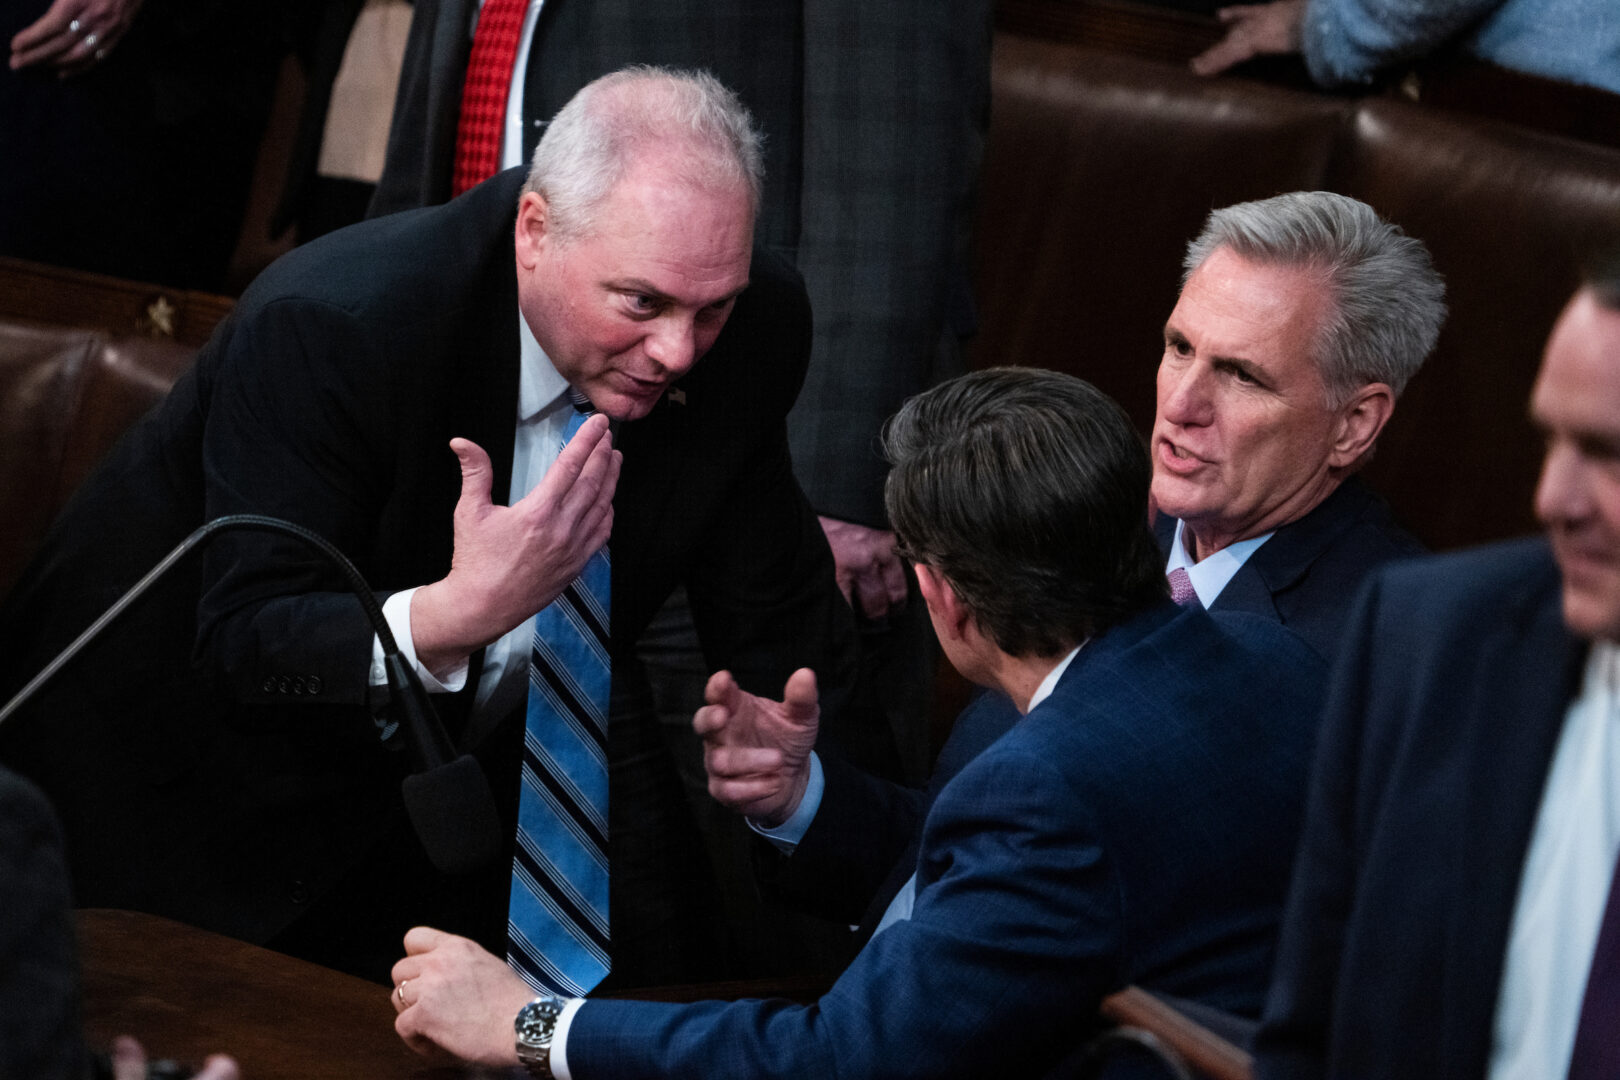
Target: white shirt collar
(1210, 576)
(539, 385)
(1049, 684)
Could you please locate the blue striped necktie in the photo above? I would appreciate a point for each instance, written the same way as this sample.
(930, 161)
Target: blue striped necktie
(557, 919)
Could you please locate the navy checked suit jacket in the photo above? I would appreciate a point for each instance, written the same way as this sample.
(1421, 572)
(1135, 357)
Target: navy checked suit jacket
(1137, 826)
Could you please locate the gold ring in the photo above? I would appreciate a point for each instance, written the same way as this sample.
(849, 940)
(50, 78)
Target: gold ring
(399, 992)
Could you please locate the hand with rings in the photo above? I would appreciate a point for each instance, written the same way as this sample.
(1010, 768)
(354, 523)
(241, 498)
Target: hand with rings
(73, 35)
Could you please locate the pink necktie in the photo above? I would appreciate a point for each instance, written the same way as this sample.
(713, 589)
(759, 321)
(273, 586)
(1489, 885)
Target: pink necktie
(1181, 588)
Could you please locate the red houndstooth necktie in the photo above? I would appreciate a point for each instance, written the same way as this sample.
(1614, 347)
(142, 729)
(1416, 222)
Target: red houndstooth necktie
(483, 95)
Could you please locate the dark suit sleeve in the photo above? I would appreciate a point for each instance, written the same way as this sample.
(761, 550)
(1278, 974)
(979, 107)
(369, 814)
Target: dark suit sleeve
(286, 436)
(896, 100)
(1293, 1041)
(862, 828)
(1013, 939)
(39, 975)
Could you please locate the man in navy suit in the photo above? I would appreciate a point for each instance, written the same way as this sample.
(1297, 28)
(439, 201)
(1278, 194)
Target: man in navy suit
(1300, 320)
(1136, 825)
(1465, 812)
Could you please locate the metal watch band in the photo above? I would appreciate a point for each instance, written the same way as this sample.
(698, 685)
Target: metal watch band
(534, 1027)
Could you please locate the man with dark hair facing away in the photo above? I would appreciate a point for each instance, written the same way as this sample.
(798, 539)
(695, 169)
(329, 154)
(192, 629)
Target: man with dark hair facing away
(1135, 826)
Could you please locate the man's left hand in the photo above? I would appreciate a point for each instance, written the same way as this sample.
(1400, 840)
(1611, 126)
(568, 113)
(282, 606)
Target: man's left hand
(73, 35)
(868, 570)
(452, 995)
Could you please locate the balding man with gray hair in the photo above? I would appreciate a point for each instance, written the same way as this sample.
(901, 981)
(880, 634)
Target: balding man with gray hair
(1300, 321)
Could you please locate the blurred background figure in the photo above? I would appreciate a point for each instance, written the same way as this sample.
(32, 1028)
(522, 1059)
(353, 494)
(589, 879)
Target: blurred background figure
(1351, 42)
(40, 1036)
(129, 131)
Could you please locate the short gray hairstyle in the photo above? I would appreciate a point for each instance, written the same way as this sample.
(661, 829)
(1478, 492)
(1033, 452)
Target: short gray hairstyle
(1388, 299)
(599, 134)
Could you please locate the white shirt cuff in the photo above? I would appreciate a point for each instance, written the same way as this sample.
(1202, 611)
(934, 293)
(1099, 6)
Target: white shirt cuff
(559, 1039)
(786, 836)
(397, 612)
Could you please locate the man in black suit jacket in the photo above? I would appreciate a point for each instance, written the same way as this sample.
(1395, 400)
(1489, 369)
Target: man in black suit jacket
(329, 398)
(1135, 826)
(874, 116)
(1461, 834)
(1300, 320)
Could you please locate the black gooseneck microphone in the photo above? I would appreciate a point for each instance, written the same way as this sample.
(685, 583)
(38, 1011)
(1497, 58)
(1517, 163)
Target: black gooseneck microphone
(448, 799)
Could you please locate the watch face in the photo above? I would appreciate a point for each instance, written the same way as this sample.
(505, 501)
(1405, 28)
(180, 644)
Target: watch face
(536, 1020)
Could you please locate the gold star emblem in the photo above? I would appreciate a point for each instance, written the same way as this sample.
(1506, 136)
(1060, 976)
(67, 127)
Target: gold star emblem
(160, 317)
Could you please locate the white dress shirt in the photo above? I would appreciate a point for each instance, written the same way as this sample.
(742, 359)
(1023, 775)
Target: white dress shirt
(1564, 885)
(543, 411)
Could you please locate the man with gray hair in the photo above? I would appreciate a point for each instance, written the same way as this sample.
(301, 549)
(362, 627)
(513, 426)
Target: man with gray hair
(1136, 824)
(1300, 320)
(549, 331)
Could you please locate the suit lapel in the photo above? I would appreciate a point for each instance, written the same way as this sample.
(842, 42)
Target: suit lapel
(1279, 563)
(1284, 559)
(1527, 672)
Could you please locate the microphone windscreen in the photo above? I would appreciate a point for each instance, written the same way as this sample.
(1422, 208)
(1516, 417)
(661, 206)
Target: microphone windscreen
(454, 815)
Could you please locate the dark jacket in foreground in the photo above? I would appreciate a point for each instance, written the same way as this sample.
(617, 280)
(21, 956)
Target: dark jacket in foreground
(1444, 712)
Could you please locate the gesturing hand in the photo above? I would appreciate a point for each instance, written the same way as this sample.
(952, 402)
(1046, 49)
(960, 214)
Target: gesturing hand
(1252, 30)
(757, 751)
(509, 562)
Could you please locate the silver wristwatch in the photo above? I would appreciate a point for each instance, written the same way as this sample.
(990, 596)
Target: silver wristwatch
(534, 1026)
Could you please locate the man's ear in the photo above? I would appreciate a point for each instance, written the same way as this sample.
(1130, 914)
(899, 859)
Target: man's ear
(951, 616)
(533, 229)
(1361, 419)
